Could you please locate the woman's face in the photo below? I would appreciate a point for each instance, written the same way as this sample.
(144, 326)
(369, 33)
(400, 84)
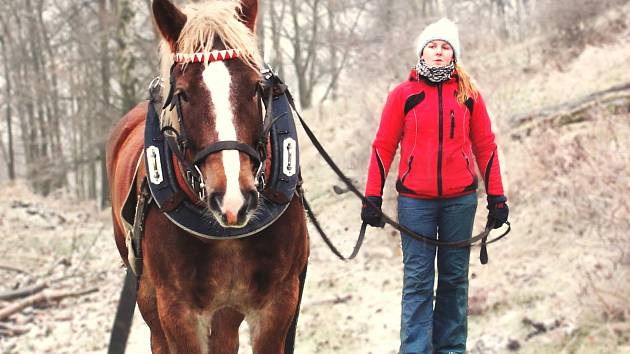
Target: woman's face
(437, 53)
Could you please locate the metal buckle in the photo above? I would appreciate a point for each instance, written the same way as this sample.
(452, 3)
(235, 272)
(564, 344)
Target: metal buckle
(155, 88)
(202, 184)
(196, 183)
(267, 72)
(259, 179)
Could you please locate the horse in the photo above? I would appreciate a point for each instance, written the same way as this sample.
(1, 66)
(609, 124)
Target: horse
(194, 292)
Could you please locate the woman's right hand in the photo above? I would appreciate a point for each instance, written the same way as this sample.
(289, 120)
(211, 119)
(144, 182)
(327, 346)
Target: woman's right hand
(371, 216)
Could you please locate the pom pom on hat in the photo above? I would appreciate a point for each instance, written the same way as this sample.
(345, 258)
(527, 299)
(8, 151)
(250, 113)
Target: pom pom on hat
(444, 29)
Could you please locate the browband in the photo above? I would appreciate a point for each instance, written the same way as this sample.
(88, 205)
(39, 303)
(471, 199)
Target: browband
(215, 55)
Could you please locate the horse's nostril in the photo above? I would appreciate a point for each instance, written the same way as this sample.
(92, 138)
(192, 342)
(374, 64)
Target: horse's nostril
(251, 201)
(216, 199)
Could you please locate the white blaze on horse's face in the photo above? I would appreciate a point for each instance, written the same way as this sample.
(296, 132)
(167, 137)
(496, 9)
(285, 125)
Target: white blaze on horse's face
(218, 81)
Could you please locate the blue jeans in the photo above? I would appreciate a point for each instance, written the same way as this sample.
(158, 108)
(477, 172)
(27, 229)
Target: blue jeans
(425, 330)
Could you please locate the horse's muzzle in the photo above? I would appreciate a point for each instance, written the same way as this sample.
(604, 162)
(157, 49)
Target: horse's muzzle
(233, 218)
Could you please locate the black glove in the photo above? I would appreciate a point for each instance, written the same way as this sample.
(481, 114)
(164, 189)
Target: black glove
(371, 216)
(498, 210)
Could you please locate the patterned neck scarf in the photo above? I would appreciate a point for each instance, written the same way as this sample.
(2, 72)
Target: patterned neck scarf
(435, 74)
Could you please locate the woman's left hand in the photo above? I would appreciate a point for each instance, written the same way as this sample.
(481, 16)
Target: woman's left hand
(498, 211)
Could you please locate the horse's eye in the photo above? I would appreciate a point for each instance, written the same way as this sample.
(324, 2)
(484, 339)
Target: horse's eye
(255, 92)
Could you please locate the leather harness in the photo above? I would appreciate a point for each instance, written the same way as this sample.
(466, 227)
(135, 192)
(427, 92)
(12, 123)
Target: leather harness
(160, 144)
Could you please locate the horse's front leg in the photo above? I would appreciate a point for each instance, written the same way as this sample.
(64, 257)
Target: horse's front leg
(224, 333)
(147, 303)
(186, 329)
(269, 325)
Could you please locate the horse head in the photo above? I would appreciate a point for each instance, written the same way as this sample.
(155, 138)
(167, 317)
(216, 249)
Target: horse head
(210, 54)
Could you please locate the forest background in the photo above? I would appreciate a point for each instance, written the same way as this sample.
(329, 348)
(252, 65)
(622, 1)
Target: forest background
(554, 75)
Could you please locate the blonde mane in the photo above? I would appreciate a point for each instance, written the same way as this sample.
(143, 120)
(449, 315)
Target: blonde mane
(206, 22)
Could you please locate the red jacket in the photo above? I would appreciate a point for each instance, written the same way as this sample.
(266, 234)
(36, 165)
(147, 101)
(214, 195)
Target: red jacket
(438, 138)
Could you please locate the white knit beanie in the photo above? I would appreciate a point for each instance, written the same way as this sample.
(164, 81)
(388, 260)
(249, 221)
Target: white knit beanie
(444, 29)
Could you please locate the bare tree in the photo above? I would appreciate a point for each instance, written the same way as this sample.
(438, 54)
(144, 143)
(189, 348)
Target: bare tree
(319, 35)
(9, 155)
(277, 11)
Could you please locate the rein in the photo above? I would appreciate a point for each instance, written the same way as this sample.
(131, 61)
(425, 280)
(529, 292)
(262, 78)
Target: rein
(271, 88)
(483, 236)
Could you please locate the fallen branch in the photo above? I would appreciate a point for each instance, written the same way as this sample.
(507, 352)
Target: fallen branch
(45, 296)
(22, 292)
(540, 327)
(32, 289)
(568, 113)
(568, 108)
(9, 330)
(14, 269)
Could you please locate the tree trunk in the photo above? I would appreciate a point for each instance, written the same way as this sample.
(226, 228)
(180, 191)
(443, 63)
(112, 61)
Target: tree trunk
(10, 155)
(106, 107)
(126, 60)
(332, 45)
(276, 17)
(58, 179)
(260, 27)
(304, 64)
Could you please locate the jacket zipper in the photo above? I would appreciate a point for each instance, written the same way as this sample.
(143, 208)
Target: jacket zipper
(452, 124)
(441, 137)
(409, 162)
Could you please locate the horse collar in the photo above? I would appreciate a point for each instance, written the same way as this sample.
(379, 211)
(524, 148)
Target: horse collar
(279, 130)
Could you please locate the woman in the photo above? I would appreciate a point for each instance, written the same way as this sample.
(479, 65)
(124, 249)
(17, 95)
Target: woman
(440, 120)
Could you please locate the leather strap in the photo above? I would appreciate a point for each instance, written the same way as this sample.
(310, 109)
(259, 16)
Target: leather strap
(142, 206)
(124, 315)
(318, 227)
(227, 145)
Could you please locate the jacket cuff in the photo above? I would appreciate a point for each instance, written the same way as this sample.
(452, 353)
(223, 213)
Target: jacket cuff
(377, 201)
(493, 199)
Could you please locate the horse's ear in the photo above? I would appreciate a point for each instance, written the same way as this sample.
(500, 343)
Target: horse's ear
(249, 10)
(170, 21)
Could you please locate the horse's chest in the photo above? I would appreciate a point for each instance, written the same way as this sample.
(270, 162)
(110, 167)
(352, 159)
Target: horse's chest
(235, 276)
